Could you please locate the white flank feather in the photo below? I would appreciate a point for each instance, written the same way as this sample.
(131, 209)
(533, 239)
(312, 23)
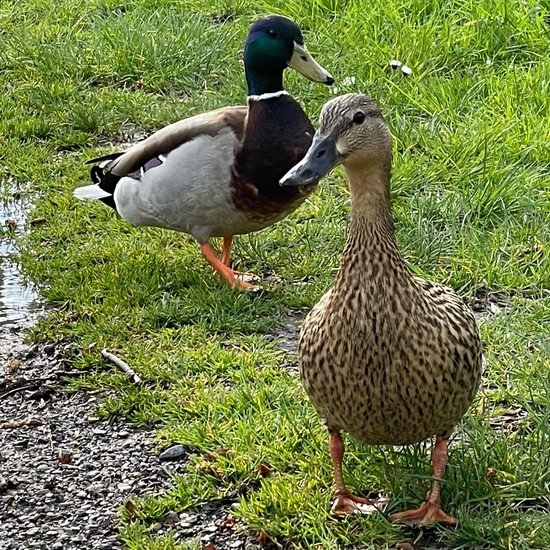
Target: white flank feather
(90, 192)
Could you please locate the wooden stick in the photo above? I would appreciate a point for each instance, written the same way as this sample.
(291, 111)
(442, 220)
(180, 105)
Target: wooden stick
(18, 389)
(16, 424)
(123, 366)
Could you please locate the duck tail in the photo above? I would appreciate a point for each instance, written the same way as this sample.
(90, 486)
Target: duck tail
(89, 192)
(104, 184)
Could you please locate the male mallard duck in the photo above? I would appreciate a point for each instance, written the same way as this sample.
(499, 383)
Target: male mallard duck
(389, 357)
(217, 174)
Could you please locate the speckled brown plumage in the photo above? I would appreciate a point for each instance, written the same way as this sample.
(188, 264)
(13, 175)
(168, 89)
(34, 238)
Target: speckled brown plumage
(388, 344)
(386, 356)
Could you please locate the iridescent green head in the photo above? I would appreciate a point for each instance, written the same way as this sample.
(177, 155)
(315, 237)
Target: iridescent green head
(273, 44)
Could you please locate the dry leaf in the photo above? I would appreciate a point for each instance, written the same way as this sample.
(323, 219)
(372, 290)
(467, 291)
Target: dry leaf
(221, 451)
(227, 523)
(263, 470)
(130, 506)
(14, 364)
(37, 221)
(209, 546)
(10, 224)
(64, 458)
(491, 473)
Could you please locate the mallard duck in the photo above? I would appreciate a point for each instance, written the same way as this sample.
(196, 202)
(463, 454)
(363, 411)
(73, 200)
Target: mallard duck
(391, 358)
(217, 174)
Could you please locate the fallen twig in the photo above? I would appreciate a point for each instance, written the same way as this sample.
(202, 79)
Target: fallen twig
(122, 365)
(16, 424)
(16, 390)
(61, 373)
(10, 383)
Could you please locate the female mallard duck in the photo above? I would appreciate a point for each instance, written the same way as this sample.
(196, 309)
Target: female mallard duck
(217, 174)
(389, 357)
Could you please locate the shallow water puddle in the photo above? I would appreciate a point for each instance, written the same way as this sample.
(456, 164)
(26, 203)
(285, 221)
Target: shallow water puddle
(18, 301)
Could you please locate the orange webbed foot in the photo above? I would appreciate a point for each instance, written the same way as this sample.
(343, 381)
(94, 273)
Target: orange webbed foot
(428, 514)
(232, 277)
(346, 503)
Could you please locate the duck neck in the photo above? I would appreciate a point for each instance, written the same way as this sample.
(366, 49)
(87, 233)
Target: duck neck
(369, 186)
(371, 252)
(267, 82)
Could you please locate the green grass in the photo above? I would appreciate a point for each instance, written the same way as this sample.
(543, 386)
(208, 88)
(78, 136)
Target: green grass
(471, 197)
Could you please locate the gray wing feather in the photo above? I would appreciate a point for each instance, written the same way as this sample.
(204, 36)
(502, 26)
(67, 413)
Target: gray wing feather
(172, 136)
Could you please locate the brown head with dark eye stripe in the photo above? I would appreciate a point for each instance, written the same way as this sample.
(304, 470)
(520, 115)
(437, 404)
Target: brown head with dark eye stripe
(351, 132)
(356, 125)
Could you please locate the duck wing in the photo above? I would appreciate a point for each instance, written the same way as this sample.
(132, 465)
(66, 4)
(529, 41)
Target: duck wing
(172, 136)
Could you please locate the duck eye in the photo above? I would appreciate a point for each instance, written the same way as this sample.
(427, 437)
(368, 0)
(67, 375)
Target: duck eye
(272, 33)
(358, 117)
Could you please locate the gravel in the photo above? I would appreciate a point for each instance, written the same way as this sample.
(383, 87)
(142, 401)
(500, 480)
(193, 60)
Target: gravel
(64, 474)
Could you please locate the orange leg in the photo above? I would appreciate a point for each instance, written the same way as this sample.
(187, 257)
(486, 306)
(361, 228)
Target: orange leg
(346, 503)
(226, 250)
(223, 270)
(226, 254)
(430, 512)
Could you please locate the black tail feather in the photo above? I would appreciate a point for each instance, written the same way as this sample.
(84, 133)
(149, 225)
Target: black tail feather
(106, 181)
(110, 156)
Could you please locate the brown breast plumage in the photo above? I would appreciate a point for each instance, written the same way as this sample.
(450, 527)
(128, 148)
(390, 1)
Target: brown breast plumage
(265, 156)
(388, 357)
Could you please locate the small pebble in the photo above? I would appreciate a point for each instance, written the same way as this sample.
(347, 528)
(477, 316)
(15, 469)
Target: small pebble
(172, 453)
(171, 518)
